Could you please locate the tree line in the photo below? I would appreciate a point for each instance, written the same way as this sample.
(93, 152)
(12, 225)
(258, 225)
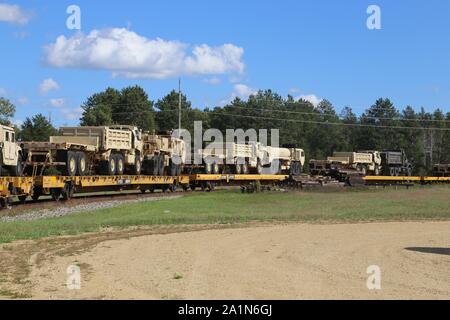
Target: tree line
(319, 130)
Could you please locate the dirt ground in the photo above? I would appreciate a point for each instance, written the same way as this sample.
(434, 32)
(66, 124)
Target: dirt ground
(283, 261)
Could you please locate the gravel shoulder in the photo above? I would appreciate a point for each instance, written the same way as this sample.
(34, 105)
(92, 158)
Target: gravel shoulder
(281, 261)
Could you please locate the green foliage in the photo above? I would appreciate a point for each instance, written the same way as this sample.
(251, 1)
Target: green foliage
(7, 111)
(38, 128)
(130, 106)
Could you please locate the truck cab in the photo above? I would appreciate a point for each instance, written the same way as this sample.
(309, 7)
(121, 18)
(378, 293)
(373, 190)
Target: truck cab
(11, 153)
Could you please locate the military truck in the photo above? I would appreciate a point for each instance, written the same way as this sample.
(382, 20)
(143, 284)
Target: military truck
(289, 160)
(441, 170)
(252, 158)
(365, 162)
(11, 153)
(219, 157)
(107, 150)
(163, 154)
(395, 163)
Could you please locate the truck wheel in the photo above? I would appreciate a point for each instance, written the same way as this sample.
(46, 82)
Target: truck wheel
(377, 171)
(409, 172)
(71, 164)
(82, 166)
(16, 171)
(392, 172)
(137, 167)
(215, 168)
(208, 168)
(259, 168)
(161, 165)
(111, 166)
(244, 168)
(120, 164)
(238, 169)
(173, 168)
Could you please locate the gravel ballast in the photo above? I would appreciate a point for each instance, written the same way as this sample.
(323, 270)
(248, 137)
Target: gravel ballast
(80, 208)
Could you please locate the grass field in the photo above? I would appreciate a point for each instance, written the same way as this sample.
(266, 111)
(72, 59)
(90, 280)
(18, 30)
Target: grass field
(232, 207)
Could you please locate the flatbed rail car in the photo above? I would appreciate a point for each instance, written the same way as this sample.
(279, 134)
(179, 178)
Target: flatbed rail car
(209, 181)
(388, 180)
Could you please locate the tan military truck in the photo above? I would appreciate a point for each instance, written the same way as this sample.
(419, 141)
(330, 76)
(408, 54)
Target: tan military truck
(281, 160)
(219, 157)
(108, 150)
(11, 153)
(163, 154)
(366, 162)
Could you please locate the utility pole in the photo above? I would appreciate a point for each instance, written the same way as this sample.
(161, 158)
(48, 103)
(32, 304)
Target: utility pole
(179, 107)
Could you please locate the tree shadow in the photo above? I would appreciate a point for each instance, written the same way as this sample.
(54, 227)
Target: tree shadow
(442, 251)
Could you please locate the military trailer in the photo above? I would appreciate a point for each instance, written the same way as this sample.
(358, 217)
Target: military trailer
(395, 163)
(365, 162)
(79, 151)
(11, 153)
(163, 154)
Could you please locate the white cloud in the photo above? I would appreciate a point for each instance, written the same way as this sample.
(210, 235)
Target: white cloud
(13, 14)
(294, 90)
(48, 85)
(17, 123)
(23, 100)
(57, 102)
(72, 114)
(311, 98)
(130, 55)
(213, 80)
(241, 91)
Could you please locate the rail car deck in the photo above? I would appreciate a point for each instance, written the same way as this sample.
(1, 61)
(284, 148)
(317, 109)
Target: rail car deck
(65, 187)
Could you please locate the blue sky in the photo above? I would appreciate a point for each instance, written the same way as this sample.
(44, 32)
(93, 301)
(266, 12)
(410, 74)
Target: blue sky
(319, 49)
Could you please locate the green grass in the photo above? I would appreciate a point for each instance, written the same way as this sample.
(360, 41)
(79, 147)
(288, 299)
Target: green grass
(232, 207)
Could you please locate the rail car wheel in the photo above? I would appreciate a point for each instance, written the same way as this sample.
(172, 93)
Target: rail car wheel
(82, 166)
(37, 192)
(23, 199)
(56, 194)
(120, 164)
(71, 164)
(68, 191)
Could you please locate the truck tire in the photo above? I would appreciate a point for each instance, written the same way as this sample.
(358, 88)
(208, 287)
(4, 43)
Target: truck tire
(173, 169)
(161, 165)
(208, 168)
(111, 166)
(82, 164)
(392, 171)
(16, 171)
(137, 167)
(120, 164)
(71, 164)
(238, 169)
(409, 171)
(215, 168)
(244, 168)
(154, 165)
(259, 168)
